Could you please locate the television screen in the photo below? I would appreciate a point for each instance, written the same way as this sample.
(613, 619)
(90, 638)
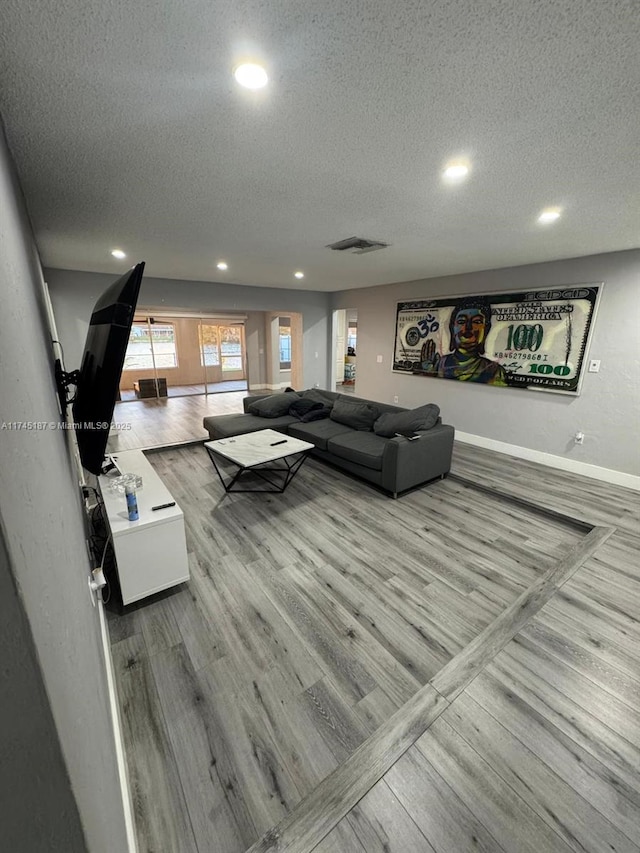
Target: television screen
(99, 376)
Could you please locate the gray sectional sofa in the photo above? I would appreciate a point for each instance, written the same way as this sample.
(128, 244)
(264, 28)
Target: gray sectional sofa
(393, 462)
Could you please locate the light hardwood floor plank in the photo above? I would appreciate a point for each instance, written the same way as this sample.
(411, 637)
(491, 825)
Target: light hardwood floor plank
(440, 814)
(305, 749)
(382, 667)
(304, 827)
(615, 671)
(258, 624)
(162, 819)
(382, 825)
(375, 709)
(308, 620)
(497, 693)
(262, 780)
(598, 723)
(221, 819)
(195, 606)
(341, 839)
(454, 677)
(512, 822)
(581, 826)
(408, 641)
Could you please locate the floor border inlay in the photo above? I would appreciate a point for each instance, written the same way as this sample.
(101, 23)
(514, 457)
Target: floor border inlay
(319, 812)
(523, 502)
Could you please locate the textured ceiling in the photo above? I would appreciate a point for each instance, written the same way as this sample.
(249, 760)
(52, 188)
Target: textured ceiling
(128, 130)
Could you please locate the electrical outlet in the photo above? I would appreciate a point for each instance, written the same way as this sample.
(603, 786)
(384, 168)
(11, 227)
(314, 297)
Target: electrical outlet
(594, 365)
(395, 399)
(579, 438)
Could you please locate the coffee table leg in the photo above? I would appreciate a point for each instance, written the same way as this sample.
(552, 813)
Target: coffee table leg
(289, 472)
(225, 486)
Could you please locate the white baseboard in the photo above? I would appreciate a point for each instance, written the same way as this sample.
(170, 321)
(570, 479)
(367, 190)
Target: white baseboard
(607, 475)
(123, 774)
(277, 387)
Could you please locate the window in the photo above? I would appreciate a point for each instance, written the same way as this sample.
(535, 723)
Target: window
(149, 341)
(285, 343)
(230, 347)
(221, 346)
(209, 345)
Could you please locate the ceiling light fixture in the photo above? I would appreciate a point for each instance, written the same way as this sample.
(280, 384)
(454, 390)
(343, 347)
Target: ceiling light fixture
(251, 75)
(222, 265)
(455, 172)
(118, 253)
(299, 274)
(549, 214)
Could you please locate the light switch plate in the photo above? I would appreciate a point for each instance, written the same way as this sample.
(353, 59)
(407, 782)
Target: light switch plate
(379, 359)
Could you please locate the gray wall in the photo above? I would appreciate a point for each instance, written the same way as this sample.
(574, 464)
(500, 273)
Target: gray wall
(74, 294)
(32, 769)
(42, 524)
(608, 409)
(256, 347)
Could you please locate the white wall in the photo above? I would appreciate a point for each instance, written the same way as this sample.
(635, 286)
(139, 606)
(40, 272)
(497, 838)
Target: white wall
(608, 409)
(42, 522)
(74, 294)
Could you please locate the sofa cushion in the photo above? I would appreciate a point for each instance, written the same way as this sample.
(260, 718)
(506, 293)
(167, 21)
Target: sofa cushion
(318, 395)
(318, 432)
(300, 407)
(316, 414)
(224, 426)
(363, 448)
(273, 406)
(355, 414)
(406, 423)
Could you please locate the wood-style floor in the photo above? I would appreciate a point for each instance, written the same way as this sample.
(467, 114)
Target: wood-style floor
(461, 669)
(168, 420)
(192, 390)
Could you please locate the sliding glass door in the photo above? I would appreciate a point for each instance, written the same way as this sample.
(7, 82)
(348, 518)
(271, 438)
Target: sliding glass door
(222, 350)
(178, 356)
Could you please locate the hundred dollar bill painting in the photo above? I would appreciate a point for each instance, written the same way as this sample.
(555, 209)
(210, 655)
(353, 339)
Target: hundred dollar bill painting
(534, 338)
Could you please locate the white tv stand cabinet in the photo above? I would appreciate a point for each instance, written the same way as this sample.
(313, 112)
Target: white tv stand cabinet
(151, 553)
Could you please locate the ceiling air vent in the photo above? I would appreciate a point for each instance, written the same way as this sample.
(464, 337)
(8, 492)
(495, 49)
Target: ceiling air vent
(357, 245)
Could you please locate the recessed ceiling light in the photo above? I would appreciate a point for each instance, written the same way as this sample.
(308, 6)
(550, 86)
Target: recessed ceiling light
(222, 265)
(299, 274)
(549, 214)
(251, 75)
(118, 253)
(456, 171)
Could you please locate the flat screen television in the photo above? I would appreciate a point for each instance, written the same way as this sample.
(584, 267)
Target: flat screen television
(98, 379)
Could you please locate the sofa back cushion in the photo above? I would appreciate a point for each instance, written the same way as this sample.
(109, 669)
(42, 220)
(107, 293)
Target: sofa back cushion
(319, 395)
(273, 406)
(355, 414)
(300, 407)
(407, 422)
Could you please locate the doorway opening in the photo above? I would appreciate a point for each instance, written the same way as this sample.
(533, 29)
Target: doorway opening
(283, 351)
(345, 325)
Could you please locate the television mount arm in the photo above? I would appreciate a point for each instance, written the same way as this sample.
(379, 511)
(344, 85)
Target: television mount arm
(63, 380)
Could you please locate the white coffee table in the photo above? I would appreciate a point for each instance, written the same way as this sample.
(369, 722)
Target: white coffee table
(253, 454)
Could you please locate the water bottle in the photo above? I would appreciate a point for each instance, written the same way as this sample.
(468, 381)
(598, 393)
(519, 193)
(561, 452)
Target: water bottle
(132, 502)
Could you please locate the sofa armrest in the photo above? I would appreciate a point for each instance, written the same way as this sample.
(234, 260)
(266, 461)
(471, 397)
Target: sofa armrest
(408, 463)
